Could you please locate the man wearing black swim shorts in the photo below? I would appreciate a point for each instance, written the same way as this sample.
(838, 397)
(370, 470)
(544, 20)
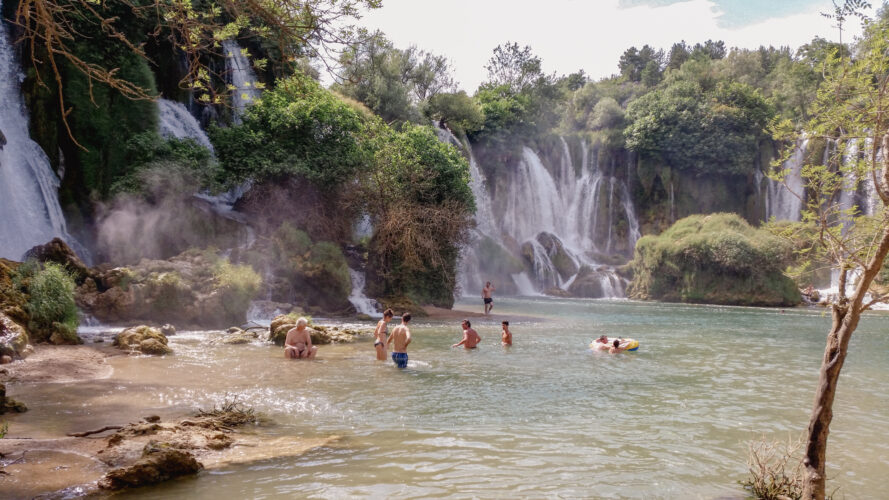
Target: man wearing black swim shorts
(486, 296)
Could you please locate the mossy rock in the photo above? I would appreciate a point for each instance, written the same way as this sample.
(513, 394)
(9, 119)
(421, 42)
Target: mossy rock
(159, 463)
(401, 305)
(8, 405)
(14, 339)
(144, 339)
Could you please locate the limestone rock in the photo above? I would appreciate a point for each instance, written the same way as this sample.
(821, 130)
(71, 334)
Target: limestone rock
(14, 339)
(144, 339)
(59, 252)
(589, 283)
(158, 463)
(168, 330)
(9, 405)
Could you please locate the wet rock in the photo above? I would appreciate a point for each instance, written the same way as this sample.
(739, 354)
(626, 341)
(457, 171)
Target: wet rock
(152, 418)
(14, 339)
(5, 359)
(589, 283)
(168, 330)
(59, 252)
(562, 260)
(144, 339)
(8, 405)
(159, 463)
(557, 292)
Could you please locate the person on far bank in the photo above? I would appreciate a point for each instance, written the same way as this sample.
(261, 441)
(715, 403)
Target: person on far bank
(470, 337)
(506, 336)
(486, 296)
(401, 336)
(298, 342)
(381, 333)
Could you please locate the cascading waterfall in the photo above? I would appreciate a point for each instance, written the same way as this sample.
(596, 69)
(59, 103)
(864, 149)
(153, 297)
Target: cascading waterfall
(784, 201)
(242, 78)
(30, 214)
(362, 303)
(177, 122)
(563, 217)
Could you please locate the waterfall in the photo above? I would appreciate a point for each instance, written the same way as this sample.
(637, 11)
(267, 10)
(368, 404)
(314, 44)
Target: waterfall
(177, 122)
(30, 214)
(241, 76)
(362, 303)
(784, 201)
(565, 217)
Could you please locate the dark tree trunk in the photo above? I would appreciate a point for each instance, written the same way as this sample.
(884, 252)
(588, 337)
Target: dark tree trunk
(845, 319)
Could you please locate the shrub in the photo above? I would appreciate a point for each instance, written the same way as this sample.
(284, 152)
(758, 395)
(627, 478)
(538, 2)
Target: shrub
(239, 285)
(776, 470)
(51, 305)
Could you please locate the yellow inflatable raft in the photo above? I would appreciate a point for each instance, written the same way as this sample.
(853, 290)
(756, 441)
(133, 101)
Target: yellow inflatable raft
(628, 344)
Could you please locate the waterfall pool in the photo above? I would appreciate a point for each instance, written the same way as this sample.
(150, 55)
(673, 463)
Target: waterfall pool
(544, 418)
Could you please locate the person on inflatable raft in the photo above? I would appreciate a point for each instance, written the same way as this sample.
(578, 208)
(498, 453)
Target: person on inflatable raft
(614, 346)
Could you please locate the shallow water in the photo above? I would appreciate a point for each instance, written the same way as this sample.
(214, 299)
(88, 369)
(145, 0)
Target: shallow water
(544, 418)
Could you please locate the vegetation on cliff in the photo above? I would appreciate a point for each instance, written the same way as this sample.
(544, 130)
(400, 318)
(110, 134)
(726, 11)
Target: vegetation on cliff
(714, 259)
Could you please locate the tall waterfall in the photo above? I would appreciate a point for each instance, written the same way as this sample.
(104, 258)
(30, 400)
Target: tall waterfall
(176, 121)
(241, 76)
(784, 201)
(29, 207)
(555, 220)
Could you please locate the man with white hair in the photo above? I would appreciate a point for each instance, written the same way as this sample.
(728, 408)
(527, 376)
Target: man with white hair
(298, 343)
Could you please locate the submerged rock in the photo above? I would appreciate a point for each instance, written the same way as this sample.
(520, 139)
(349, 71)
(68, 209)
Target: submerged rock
(159, 463)
(144, 339)
(8, 405)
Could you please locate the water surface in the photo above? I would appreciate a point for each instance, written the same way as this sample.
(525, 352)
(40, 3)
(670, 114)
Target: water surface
(544, 418)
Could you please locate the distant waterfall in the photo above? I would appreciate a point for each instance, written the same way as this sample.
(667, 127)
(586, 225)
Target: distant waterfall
(176, 121)
(361, 302)
(30, 214)
(241, 76)
(784, 201)
(560, 220)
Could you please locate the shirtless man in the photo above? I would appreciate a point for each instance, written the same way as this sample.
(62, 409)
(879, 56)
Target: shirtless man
(601, 343)
(486, 296)
(470, 337)
(380, 334)
(506, 337)
(298, 342)
(401, 336)
(616, 348)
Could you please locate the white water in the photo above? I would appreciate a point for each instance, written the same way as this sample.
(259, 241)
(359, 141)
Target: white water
(30, 214)
(241, 76)
(784, 201)
(176, 121)
(362, 303)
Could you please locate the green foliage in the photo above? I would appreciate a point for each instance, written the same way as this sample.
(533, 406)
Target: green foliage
(51, 305)
(150, 155)
(456, 110)
(705, 132)
(717, 258)
(390, 81)
(516, 68)
(239, 285)
(298, 129)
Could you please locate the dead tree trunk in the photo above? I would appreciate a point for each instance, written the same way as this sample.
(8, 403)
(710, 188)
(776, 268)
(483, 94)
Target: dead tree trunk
(845, 319)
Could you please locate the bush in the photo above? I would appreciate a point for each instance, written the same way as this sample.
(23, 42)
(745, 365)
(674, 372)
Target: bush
(51, 305)
(717, 259)
(239, 285)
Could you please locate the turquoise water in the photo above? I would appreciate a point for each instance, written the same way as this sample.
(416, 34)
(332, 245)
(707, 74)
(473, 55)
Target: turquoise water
(544, 418)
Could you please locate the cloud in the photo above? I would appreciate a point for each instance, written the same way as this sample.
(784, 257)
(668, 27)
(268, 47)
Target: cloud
(579, 34)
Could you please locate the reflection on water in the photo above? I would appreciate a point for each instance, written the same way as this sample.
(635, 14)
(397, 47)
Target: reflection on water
(543, 418)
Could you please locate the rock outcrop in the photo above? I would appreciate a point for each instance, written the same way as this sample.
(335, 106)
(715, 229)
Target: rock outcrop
(158, 464)
(320, 334)
(8, 405)
(14, 339)
(144, 339)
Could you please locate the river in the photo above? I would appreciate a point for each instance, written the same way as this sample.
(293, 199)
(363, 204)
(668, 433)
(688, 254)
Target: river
(544, 418)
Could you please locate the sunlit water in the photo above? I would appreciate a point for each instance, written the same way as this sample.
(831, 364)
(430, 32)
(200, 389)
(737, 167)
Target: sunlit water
(545, 418)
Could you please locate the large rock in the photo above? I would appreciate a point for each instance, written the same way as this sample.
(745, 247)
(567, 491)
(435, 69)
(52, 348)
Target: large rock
(59, 252)
(320, 334)
(144, 339)
(8, 405)
(159, 463)
(13, 338)
(591, 283)
(562, 260)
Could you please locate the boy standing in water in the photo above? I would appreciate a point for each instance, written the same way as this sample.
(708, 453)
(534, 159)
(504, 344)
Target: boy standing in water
(486, 295)
(380, 334)
(506, 337)
(470, 337)
(401, 335)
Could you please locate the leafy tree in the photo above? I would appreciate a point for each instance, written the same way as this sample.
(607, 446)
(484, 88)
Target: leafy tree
(679, 53)
(456, 110)
(297, 129)
(52, 29)
(634, 62)
(514, 67)
(852, 105)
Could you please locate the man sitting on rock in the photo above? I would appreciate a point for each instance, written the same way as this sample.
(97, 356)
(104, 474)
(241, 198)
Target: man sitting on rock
(298, 343)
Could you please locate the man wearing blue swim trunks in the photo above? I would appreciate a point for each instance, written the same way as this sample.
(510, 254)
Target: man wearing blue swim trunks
(401, 336)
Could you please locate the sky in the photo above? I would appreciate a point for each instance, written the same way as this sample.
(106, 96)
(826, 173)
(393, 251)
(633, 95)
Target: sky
(569, 35)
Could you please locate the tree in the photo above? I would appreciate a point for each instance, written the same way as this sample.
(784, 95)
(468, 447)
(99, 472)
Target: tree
(514, 67)
(53, 28)
(852, 107)
(633, 63)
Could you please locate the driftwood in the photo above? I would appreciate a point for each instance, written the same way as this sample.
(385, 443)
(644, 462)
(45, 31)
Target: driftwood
(87, 433)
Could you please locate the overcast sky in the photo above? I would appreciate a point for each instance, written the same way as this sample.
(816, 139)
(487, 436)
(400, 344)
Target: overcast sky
(592, 34)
